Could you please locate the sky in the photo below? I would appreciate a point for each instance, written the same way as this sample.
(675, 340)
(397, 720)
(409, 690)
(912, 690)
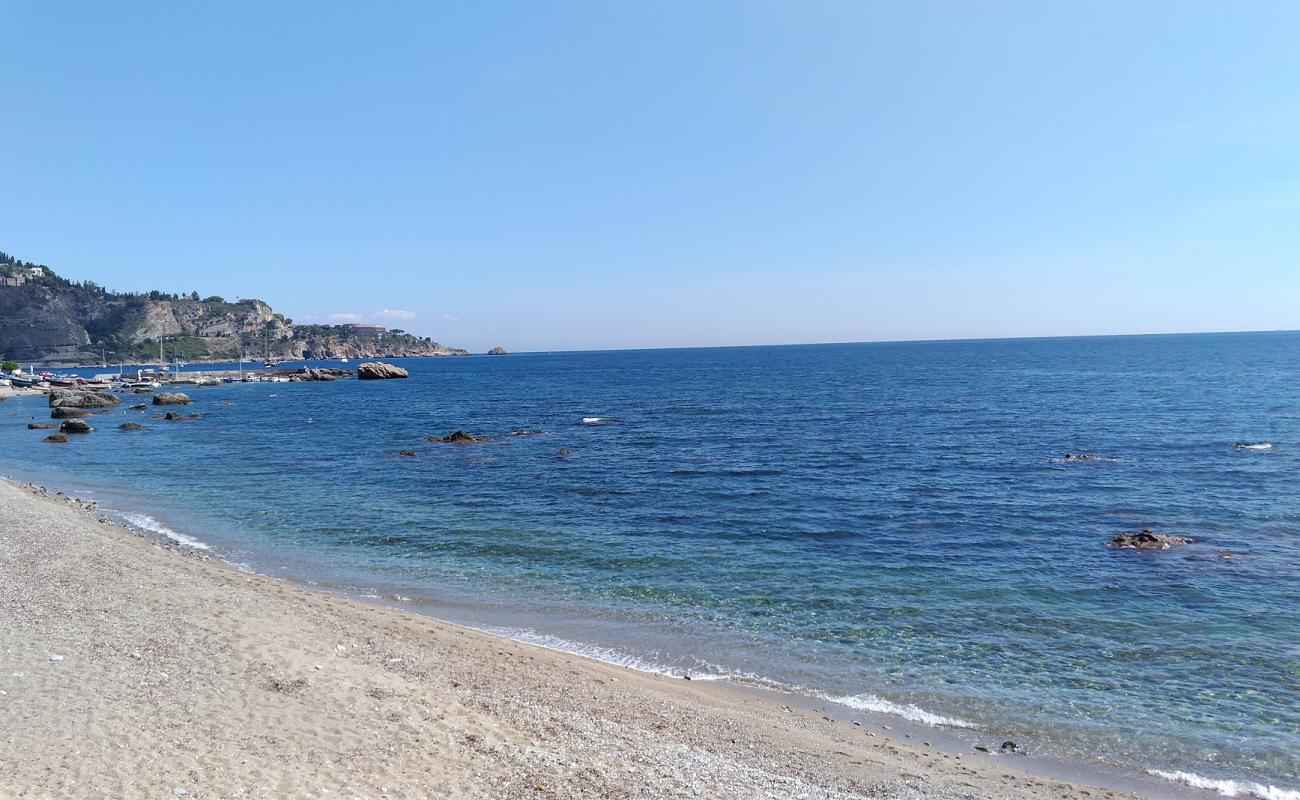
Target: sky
(591, 175)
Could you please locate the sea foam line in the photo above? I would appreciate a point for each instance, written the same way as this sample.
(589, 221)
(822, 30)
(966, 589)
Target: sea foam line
(1228, 788)
(148, 523)
(714, 672)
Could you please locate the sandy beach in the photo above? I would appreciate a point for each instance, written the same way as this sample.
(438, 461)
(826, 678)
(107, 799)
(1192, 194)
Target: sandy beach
(129, 669)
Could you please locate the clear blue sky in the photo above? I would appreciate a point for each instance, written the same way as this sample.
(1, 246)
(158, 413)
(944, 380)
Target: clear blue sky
(607, 174)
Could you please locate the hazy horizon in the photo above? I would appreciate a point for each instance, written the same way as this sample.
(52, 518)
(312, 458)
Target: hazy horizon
(589, 177)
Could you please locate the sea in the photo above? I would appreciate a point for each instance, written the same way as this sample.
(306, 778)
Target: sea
(886, 529)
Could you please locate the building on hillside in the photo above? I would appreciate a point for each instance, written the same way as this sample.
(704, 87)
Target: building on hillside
(11, 280)
(364, 330)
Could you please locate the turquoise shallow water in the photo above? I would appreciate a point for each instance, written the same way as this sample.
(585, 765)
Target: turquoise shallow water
(887, 525)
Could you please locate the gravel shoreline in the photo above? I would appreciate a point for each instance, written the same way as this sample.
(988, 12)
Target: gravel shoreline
(129, 669)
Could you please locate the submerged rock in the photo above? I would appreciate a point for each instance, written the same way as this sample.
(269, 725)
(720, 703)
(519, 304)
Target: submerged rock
(407, 453)
(1146, 539)
(130, 426)
(171, 399)
(377, 370)
(172, 415)
(40, 426)
(459, 437)
(140, 407)
(75, 426)
(564, 451)
(1080, 457)
(57, 438)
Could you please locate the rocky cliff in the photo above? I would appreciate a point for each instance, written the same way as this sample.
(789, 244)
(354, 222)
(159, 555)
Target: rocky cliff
(48, 320)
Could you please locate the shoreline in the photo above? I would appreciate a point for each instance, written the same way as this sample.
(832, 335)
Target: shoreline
(751, 743)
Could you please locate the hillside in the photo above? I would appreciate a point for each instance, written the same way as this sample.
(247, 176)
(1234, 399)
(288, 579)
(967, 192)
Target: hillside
(47, 319)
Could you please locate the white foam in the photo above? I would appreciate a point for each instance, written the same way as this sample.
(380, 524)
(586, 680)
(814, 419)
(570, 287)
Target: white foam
(1258, 446)
(1229, 788)
(879, 705)
(148, 523)
(608, 655)
(597, 420)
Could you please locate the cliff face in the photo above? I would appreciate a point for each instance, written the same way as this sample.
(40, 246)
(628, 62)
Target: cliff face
(54, 322)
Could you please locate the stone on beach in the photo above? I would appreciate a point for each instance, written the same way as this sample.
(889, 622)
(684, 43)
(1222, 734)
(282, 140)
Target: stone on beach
(377, 370)
(1146, 539)
(75, 426)
(171, 399)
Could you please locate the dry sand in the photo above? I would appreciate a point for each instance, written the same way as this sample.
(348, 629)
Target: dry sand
(130, 670)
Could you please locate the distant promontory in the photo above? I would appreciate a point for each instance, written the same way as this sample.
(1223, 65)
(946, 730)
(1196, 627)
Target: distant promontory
(47, 319)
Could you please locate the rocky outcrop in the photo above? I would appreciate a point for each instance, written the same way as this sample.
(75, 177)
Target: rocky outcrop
(320, 374)
(63, 412)
(497, 351)
(75, 426)
(459, 437)
(171, 399)
(1146, 539)
(57, 438)
(377, 370)
(82, 398)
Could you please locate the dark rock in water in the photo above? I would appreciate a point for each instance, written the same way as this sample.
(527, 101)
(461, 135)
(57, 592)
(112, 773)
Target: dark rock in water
(40, 426)
(982, 748)
(142, 391)
(407, 453)
(129, 426)
(171, 399)
(497, 351)
(524, 432)
(459, 437)
(75, 426)
(377, 370)
(564, 451)
(1080, 457)
(82, 398)
(1146, 539)
(140, 407)
(68, 412)
(172, 415)
(1010, 747)
(57, 438)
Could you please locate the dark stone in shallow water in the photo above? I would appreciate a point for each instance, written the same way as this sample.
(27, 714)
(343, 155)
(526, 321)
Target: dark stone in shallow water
(40, 426)
(75, 426)
(1146, 539)
(459, 437)
(68, 412)
(129, 426)
(171, 399)
(57, 438)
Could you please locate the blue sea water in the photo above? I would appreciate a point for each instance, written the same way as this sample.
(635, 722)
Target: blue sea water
(888, 526)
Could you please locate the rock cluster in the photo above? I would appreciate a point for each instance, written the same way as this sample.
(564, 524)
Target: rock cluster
(377, 370)
(1146, 539)
(320, 374)
(459, 437)
(82, 398)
